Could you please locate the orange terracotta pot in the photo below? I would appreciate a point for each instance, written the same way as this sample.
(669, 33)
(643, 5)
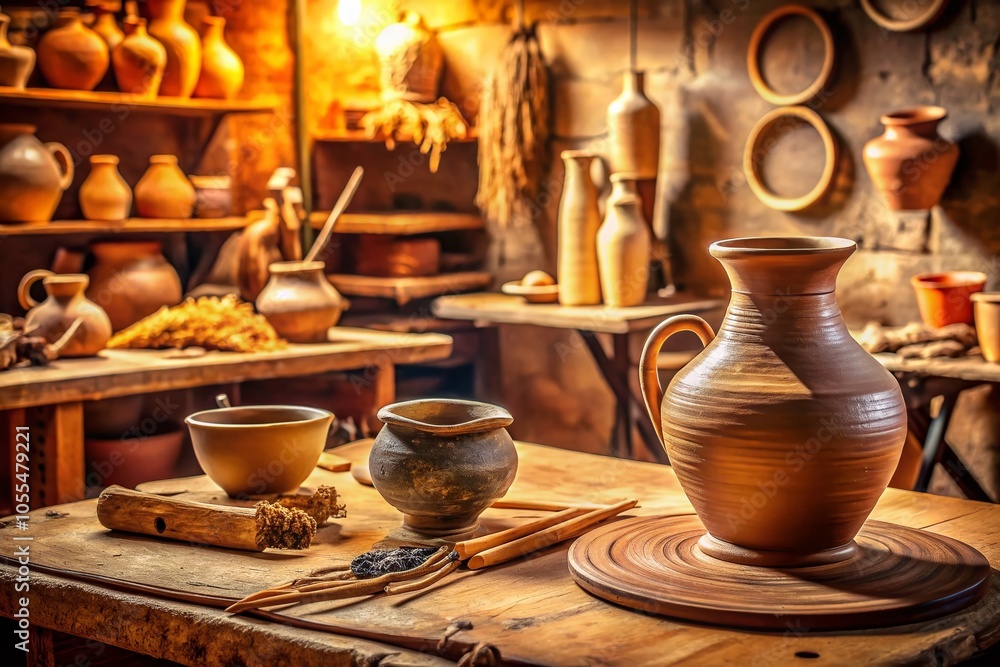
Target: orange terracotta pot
(71, 55)
(131, 280)
(944, 298)
(182, 43)
(132, 460)
(222, 70)
(987, 305)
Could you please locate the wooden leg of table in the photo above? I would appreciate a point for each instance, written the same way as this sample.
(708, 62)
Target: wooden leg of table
(488, 380)
(42, 650)
(622, 366)
(383, 393)
(56, 434)
(935, 438)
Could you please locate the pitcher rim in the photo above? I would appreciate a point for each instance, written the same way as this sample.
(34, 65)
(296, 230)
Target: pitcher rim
(500, 418)
(751, 246)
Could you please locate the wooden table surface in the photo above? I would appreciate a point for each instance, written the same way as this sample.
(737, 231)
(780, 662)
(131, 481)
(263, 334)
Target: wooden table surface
(529, 609)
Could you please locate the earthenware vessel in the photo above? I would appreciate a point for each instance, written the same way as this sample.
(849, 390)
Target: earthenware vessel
(131, 279)
(182, 44)
(579, 220)
(944, 298)
(213, 196)
(410, 60)
(65, 304)
(634, 129)
(105, 195)
(783, 431)
(164, 191)
(987, 306)
(221, 69)
(441, 462)
(139, 61)
(71, 55)
(129, 460)
(911, 164)
(623, 246)
(105, 24)
(16, 62)
(259, 449)
(299, 302)
(33, 175)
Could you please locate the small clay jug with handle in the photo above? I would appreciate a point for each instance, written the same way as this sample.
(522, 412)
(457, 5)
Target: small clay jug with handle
(105, 195)
(33, 175)
(299, 302)
(623, 246)
(16, 62)
(579, 220)
(65, 304)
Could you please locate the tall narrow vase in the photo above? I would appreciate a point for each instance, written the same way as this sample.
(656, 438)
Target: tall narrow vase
(579, 219)
(634, 130)
(221, 69)
(182, 44)
(16, 62)
(623, 246)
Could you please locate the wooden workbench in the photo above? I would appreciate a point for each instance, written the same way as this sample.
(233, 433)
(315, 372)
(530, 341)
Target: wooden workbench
(529, 610)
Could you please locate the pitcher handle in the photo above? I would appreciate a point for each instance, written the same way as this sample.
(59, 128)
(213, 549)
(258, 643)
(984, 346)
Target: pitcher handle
(65, 160)
(649, 379)
(24, 288)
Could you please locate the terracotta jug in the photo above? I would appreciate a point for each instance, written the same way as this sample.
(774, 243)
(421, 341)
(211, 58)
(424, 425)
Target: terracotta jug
(33, 175)
(105, 195)
(105, 24)
(164, 191)
(783, 431)
(131, 279)
(634, 129)
(66, 302)
(579, 220)
(911, 164)
(71, 55)
(182, 44)
(410, 60)
(16, 62)
(623, 246)
(139, 60)
(221, 69)
(299, 302)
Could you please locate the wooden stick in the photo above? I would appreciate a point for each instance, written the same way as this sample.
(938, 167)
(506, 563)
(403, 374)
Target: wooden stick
(541, 505)
(420, 584)
(468, 548)
(547, 537)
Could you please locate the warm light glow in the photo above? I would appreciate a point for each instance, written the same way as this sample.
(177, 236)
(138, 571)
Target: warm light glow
(349, 11)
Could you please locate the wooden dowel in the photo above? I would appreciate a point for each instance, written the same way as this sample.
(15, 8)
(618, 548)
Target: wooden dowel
(541, 505)
(468, 548)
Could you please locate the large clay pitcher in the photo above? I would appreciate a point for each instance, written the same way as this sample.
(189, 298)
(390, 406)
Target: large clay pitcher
(64, 305)
(16, 62)
(33, 175)
(221, 69)
(579, 220)
(299, 302)
(182, 44)
(131, 280)
(623, 246)
(71, 55)
(139, 61)
(783, 432)
(911, 164)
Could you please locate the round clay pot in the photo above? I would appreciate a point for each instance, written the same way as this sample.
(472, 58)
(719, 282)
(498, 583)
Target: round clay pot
(105, 195)
(634, 130)
(299, 302)
(130, 460)
(441, 462)
(213, 196)
(182, 44)
(16, 62)
(987, 306)
(33, 175)
(65, 303)
(623, 246)
(944, 298)
(410, 60)
(221, 69)
(783, 431)
(72, 56)
(139, 61)
(164, 191)
(579, 220)
(911, 164)
(131, 280)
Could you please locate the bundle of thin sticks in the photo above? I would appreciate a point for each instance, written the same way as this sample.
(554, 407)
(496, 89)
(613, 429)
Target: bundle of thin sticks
(340, 583)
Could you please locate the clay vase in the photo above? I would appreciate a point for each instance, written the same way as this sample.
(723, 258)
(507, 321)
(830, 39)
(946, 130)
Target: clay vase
(139, 61)
(131, 280)
(987, 306)
(182, 44)
(410, 60)
(441, 462)
(945, 298)
(783, 431)
(105, 195)
(579, 220)
(33, 175)
(623, 246)
(105, 25)
(66, 302)
(164, 191)
(634, 130)
(221, 69)
(911, 164)
(16, 62)
(71, 55)
(299, 302)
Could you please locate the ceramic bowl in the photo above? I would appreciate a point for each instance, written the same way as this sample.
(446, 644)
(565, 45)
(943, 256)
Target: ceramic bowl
(532, 293)
(260, 449)
(944, 298)
(987, 306)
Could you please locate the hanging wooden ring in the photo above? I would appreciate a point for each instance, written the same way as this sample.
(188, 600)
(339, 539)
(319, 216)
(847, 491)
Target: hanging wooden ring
(753, 56)
(752, 165)
(921, 19)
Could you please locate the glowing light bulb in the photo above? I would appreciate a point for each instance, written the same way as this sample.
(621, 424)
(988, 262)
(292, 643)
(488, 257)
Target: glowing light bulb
(349, 11)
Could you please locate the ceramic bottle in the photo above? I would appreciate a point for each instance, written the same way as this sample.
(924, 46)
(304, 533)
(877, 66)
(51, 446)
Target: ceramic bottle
(16, 62)
(579, 220)
(221, 69)
(71, 55)
(164, 191)
(65, 303)
(139, 61)
(623, 246)
(634, 130)
(131, 279)
(33, 175)
(299, 302)
(105, 195)
(182, 44)
(105, 24)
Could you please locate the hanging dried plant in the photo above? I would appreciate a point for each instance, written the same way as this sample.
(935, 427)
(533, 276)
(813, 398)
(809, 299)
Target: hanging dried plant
(429, 126)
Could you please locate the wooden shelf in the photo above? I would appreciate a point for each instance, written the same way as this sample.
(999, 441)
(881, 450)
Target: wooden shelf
(175, 106)
(361, 137)
(404, 290)
(399, 223)
(132, 225)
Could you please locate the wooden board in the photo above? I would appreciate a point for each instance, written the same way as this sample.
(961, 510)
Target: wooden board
(127, 372)
(85, 99)
(530, 609)
(491, 308)
(404, 290)
(399, 223)
(131, 226)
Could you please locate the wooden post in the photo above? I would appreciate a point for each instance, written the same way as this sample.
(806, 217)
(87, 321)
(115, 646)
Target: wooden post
(57, 467)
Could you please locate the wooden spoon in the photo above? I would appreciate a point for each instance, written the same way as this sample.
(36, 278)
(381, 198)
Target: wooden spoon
(345, 199)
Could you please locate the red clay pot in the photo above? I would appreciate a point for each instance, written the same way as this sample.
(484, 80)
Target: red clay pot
(131, 461)
(944, 298)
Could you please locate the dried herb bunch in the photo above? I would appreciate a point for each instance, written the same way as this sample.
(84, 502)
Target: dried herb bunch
(430, 126)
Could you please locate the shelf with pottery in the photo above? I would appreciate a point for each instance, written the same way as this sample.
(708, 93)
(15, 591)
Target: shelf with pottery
(404, 289)
(87, 99)
(131, 225)
(400, 223)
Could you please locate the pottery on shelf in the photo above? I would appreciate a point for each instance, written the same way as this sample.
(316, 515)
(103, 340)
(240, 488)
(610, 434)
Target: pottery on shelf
(139, 60)
(65, 304)
(105, 24)
(182, 43)
(128, 459)
(441, 462)
(33, 175)
(623, 246)
(410, 60)
(221, 69)
(579, 220)
(105, 195)
(16, 62)
(634, 130)
(783, 431)
(299, 302)
(213, 196)
(131, 280)
(71, 55)
(987, 311)
(945, 298)
(164, 191)
(911, 164)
